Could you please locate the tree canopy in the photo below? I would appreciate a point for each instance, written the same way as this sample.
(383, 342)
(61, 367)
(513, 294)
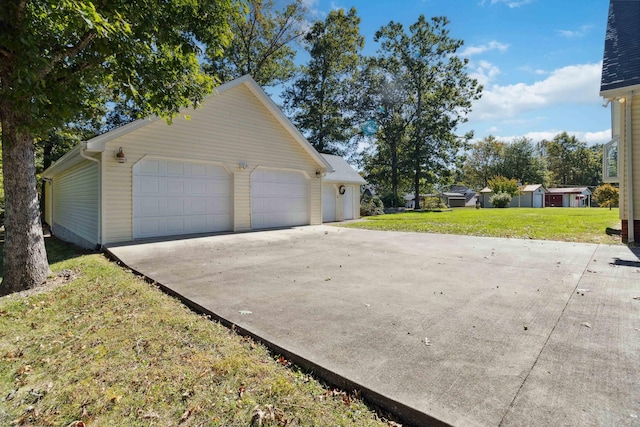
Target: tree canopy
(319, 100)
(262, 44)
(436, 93)
(61, 60)
(571, 162)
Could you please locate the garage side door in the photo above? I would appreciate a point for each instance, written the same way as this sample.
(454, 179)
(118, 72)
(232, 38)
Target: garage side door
(328, 203)
(279, 199)
(538, 200)
(173, 197)
(348, 202)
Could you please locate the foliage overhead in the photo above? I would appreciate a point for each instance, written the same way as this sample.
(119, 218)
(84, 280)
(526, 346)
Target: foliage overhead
(63, 60)
(262, 44)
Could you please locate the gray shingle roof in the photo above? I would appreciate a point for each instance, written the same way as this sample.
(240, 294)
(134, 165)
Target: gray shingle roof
(621, 62)
(342, 171)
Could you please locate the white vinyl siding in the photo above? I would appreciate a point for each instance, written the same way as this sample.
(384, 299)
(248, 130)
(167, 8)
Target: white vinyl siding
(76, 201)
(622, 153)
(230, 127)
(47, 204)
(635, 119)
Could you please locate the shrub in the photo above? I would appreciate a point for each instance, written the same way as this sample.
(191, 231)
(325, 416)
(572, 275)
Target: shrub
(371, 206)
(391, 200)
(606, 195)
(500, 200)
(434, 202)
(500, 184)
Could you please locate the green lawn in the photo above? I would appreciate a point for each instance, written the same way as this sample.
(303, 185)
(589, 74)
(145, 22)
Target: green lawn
(567, 224)
(105, 348)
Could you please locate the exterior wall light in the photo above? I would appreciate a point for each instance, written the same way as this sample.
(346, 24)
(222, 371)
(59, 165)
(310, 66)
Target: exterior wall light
(243, 165)
(120, 157)
(318, 173)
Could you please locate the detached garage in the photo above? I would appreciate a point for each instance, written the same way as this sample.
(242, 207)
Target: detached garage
(340, 191)
(235, 164)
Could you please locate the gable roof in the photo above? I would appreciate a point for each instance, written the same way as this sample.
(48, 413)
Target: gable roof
(531, 188)
(574, 190)
(621, 61)
(342, 171)
(98, 143)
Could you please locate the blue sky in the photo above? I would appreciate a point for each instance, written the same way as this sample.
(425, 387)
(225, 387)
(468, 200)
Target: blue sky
(538, 60)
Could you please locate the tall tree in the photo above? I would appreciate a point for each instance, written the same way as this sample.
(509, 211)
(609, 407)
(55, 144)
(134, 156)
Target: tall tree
(437, 88)
(571, 162)
(262, 44)
(521, 162)
(483, 162)
(60, 60)
(318, 100)
(383, 114)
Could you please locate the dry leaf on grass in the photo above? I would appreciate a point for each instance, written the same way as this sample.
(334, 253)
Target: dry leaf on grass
(185, 416)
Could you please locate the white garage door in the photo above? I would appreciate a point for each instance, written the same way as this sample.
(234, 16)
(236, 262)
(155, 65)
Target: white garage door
(328, 203)
(278, 199)
(172, 197)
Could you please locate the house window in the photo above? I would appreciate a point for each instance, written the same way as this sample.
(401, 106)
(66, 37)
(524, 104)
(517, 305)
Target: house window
(610, 161)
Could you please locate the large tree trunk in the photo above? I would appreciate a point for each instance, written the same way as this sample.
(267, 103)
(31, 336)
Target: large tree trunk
(25, 258)
(394, 170)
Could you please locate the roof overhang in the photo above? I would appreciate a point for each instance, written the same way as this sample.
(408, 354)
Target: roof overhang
(614, 94)
(70, 159)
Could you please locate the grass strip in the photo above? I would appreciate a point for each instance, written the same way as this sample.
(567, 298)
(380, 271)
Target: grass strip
(587, 225)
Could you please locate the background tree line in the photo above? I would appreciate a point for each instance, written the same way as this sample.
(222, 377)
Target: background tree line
(561, 162)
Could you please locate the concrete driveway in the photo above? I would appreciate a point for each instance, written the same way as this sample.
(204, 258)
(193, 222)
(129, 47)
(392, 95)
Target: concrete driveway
(440, 329)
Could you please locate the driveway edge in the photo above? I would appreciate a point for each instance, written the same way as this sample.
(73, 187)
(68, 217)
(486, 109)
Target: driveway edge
(403, 413)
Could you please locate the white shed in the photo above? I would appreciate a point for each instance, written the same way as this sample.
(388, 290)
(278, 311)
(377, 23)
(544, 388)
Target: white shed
(340, 191)
(234, 164)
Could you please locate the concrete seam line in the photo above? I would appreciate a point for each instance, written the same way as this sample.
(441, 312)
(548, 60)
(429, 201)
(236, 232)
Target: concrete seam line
(515, 396)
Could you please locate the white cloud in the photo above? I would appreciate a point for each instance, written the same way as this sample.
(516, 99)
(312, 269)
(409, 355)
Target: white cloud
(475, 50)
(591, 138)
(511, 3)
(483, 71)
(574, 84)
(572, 34)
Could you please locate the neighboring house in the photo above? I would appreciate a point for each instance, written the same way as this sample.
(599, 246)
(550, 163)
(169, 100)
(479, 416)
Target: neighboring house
(340, 191)
(578, 197)
(620, 85)
(531, 196)
(454, 200)
(236, 164)
(470, 196)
